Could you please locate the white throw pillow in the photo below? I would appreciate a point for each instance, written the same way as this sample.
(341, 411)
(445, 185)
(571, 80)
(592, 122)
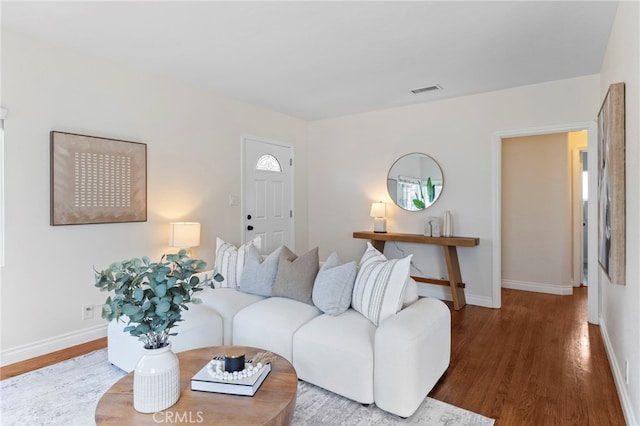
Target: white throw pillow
(410, 293)
(378, 292)
(230, 261)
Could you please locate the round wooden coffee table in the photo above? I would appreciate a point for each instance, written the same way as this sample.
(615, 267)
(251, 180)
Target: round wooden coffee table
(273, 403)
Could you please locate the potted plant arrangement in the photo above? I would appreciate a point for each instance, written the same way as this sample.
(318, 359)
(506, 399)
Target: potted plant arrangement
(418, 201)
(151, 296)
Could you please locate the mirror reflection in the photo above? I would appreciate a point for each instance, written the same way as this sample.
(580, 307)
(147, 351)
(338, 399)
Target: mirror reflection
(415, 181)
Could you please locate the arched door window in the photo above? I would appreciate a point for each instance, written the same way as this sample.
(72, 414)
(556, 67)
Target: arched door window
(268, 163)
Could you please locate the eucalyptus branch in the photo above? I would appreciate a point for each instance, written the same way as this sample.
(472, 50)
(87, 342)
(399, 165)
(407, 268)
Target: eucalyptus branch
(152, 295)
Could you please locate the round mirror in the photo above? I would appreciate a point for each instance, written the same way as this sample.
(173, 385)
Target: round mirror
(415, 181)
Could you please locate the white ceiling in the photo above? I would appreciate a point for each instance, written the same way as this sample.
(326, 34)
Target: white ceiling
(322, 59)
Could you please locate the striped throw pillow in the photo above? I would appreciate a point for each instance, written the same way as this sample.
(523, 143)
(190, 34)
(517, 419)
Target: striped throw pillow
(378, 292)
(230, 260)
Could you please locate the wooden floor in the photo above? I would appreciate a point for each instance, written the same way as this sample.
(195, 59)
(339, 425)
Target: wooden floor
(536, 361)
(51, 358)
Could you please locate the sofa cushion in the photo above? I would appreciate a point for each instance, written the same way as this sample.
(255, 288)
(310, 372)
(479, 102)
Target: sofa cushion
(227, 302)
(378, 291)
(296, 275)
(333, 285)
(337, 353)
(271, 323)
(259, 274)
(230, 261)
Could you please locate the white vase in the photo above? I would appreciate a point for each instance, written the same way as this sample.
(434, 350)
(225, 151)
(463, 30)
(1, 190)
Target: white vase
(447, 224)
(156, 380)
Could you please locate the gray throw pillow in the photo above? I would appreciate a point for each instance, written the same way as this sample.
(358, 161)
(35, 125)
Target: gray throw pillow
(333, 287)
(259, 275)
(296, 275)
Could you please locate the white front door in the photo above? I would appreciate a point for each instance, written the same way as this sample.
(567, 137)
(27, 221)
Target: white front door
(267, 199)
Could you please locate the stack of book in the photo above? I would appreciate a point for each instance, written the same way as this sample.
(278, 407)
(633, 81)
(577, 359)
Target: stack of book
(207, 380)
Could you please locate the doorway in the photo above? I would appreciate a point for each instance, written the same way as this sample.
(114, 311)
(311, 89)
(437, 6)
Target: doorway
(578, 146)
(584, 180)
(591, 129)
(267, 193)
(537, 214)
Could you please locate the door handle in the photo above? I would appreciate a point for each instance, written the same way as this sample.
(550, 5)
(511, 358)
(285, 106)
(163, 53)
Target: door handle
(248, 217)
(249, 228)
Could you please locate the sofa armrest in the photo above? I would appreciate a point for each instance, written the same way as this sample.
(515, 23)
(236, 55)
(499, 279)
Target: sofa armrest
(412, 350)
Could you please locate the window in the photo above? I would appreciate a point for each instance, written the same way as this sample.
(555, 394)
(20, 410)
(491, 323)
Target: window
(268, 163)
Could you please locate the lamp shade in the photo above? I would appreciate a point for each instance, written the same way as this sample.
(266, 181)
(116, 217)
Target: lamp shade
(184, 234)
(378, 209)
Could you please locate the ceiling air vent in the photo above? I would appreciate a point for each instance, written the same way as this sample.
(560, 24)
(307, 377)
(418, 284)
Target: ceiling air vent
(426, 89)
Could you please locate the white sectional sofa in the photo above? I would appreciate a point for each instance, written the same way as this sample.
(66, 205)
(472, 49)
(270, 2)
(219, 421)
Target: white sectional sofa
(394, 364)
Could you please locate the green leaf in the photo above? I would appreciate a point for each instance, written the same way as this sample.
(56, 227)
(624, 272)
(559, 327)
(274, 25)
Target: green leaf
(138, 294)
(431, 190)
(107, 313)
(160, 290)
(143, 328)
(418, 203)
(163, 307)
(130, 310)
(137, 316)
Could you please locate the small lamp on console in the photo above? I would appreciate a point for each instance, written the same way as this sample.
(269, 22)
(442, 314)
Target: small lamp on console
(378, 212)
(184, 235)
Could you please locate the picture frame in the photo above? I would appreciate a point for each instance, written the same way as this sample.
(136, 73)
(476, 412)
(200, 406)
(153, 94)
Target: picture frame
(96, 180)
(611, 185)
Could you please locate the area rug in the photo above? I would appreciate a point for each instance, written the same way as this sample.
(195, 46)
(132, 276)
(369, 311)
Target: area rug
(67, 393)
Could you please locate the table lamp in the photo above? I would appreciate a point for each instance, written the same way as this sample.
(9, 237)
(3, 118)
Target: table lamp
(184, 235)
(378, 215)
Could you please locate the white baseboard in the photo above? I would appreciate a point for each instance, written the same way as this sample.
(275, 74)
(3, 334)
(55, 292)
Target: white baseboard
(485, 302)
(42, 347)
(444, 293)
(561, 290)
(618, 377)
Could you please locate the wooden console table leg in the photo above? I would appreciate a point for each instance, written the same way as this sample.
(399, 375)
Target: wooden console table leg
(379, 245)
(455, 277)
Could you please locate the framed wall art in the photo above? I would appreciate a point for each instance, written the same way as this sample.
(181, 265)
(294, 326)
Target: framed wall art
(611, 185)
(97, 180)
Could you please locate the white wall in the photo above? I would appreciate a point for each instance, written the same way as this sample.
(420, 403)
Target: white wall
(536, 214)
(193, 153)
(620, 320)
(355, 152)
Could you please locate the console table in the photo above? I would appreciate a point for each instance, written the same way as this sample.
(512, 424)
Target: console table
(449, 244)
